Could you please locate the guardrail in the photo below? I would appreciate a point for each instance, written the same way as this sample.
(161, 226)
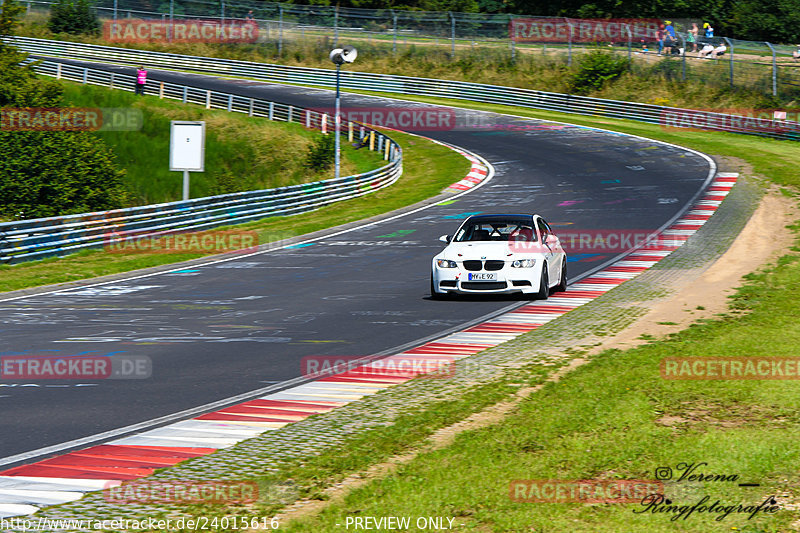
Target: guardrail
(406, 85)
(27, 240)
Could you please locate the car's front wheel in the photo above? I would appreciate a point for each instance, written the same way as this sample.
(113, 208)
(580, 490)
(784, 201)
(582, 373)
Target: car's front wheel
(544, 282)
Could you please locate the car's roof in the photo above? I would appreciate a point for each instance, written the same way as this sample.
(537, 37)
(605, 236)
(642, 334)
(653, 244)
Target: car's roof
(502, 216)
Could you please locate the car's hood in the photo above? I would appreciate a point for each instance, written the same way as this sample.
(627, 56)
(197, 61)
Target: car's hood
(490, 250)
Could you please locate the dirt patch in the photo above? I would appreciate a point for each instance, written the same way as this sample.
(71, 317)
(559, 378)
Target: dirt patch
(762, 241)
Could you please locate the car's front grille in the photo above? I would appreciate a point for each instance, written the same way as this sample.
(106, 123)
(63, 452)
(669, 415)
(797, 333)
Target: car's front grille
(491, 264)
(472, 265)
(494, 265)
(483, 285)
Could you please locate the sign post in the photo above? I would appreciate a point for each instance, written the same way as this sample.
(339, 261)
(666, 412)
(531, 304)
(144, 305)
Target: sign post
(187, 150)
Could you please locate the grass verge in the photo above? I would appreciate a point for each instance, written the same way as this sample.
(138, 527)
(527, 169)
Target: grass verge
(428, 168)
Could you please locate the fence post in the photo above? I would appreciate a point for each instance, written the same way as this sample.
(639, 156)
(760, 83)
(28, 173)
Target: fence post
(336, 26)
(452, 35)
(289, 115)
(730, 49)
(85, 75)
(683, 57)
(185, 93)
(280, 30)
(630, 37)
(513, 50)
(250, 109)
(161, 90)
(349, 132)
(222, 10)
(115, 10)
(111, 81)
(171, 17)
(394, 32)
(230, 101)
(271, 110)
(208, 99)
(774, 70)
(323, 124)
(569, 52)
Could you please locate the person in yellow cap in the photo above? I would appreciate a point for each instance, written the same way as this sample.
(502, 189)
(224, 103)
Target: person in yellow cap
(709, 31)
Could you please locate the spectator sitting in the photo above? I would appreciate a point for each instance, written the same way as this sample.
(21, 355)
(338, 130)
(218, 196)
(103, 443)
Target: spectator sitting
(644, 47)
(706, 50)
(718, 51)
(796, 53)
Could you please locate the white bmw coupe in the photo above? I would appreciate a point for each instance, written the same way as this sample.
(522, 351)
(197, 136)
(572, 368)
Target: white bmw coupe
(500, 254)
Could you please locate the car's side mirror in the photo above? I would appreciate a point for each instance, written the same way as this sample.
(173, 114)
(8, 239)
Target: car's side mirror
(445, 238)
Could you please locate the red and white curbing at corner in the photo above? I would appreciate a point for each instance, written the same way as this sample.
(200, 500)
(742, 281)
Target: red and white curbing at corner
(477, 173)
(25, 489)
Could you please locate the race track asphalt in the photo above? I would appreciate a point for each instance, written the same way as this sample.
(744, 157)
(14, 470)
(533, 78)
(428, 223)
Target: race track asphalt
(231, 327)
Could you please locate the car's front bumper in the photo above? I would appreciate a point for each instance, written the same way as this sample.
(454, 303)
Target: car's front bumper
(509, 281)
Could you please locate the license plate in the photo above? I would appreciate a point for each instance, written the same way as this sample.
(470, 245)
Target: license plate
(483, 276)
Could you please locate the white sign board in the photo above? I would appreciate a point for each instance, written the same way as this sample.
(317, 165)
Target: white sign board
(187, 145)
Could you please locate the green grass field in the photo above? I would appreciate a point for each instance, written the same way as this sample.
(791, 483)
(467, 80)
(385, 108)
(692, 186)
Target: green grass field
(242, 153)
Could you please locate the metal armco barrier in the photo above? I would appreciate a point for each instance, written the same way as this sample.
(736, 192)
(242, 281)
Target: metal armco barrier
(27, 240)
(457, 90)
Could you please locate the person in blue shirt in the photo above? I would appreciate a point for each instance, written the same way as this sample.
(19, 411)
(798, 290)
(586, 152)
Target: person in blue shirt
(669, 37)
(709, 31)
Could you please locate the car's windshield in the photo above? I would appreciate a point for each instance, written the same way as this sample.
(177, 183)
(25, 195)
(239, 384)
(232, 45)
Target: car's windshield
(496, 230)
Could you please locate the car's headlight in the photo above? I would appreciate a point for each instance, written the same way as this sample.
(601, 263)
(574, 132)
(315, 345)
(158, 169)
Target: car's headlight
(446, 263)
(523, 263)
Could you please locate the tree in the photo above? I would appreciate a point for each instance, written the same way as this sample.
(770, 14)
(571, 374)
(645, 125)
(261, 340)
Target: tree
(73, 16)
(47, 173)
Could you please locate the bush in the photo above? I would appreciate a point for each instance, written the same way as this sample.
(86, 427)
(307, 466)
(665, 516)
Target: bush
(73, 16)
(321, 153)
(50, 173)
(595, 70)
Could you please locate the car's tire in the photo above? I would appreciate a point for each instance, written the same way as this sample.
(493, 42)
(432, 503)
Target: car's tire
(544, 290)
(562, 284)
(436, 295)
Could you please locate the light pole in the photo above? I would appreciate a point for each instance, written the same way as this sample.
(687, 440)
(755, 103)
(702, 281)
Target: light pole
(339, 56)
